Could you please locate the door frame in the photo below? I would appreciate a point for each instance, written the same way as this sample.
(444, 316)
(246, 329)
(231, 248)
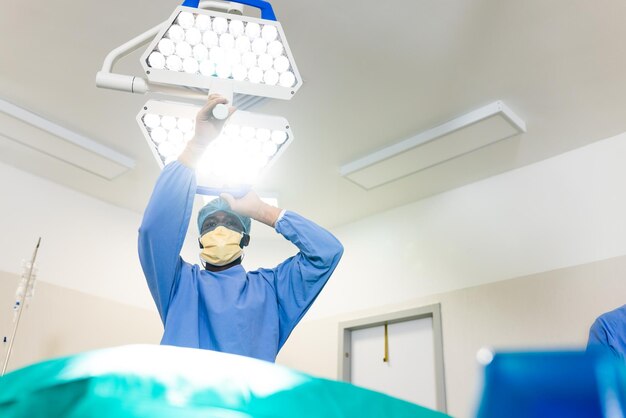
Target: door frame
(429, 311)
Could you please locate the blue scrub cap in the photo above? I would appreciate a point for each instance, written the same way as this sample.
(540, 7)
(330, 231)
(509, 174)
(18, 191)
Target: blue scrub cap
(218, 205)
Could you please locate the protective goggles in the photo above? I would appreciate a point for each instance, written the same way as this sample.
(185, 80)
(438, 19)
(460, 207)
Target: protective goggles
(232, 223)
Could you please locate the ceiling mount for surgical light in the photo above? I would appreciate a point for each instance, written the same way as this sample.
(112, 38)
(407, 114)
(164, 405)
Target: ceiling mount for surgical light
(452, 139)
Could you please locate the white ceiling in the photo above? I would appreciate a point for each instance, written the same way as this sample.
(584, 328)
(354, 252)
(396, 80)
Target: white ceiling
(373, 76)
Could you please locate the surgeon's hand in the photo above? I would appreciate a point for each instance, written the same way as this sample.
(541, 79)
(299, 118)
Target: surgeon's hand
(253, 207)
(208, 128)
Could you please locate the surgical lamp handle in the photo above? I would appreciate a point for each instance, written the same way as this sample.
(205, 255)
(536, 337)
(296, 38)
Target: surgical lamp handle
(267, 12)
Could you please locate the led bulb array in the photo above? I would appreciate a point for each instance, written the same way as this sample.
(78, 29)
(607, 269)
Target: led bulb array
(207, 50)
(227, 48)
(169, 134)
(237, 156)
(240, 153)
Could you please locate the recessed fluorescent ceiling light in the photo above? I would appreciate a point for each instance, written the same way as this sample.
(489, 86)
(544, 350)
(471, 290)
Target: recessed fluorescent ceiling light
(66, 145)
(457, 137)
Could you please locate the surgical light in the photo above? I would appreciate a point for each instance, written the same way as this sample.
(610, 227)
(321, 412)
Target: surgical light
(210, 47)
(247, 146)
(259, 44)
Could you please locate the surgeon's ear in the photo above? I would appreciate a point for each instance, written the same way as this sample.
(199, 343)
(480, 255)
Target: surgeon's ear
(245, 240)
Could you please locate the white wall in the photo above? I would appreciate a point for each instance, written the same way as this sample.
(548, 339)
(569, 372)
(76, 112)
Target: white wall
(564, 211)
(87, 245)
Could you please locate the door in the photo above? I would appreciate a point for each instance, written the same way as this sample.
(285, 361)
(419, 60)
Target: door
(408, 371)
(399, 354)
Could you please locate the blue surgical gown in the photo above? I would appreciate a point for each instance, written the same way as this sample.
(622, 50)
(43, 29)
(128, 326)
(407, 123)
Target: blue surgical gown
(233, 311)
(609, 332)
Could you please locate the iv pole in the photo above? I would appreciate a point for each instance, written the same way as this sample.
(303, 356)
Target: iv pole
(21, 307)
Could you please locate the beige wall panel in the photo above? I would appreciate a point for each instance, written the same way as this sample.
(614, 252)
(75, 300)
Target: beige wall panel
(61, 321)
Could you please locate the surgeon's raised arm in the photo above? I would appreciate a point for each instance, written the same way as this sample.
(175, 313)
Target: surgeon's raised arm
(301, 278)
(163, 229)
(298, 280)
(166, 219)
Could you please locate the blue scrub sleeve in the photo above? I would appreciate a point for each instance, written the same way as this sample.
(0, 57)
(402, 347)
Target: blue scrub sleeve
(299, 279)
(163, 229)
(607, 333)
(597, 335)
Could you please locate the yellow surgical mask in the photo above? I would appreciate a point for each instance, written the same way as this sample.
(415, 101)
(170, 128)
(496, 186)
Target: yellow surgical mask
(221, 246)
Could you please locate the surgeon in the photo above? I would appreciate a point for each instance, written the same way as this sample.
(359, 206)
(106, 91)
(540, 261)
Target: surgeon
(609, 332)
(219, 306)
